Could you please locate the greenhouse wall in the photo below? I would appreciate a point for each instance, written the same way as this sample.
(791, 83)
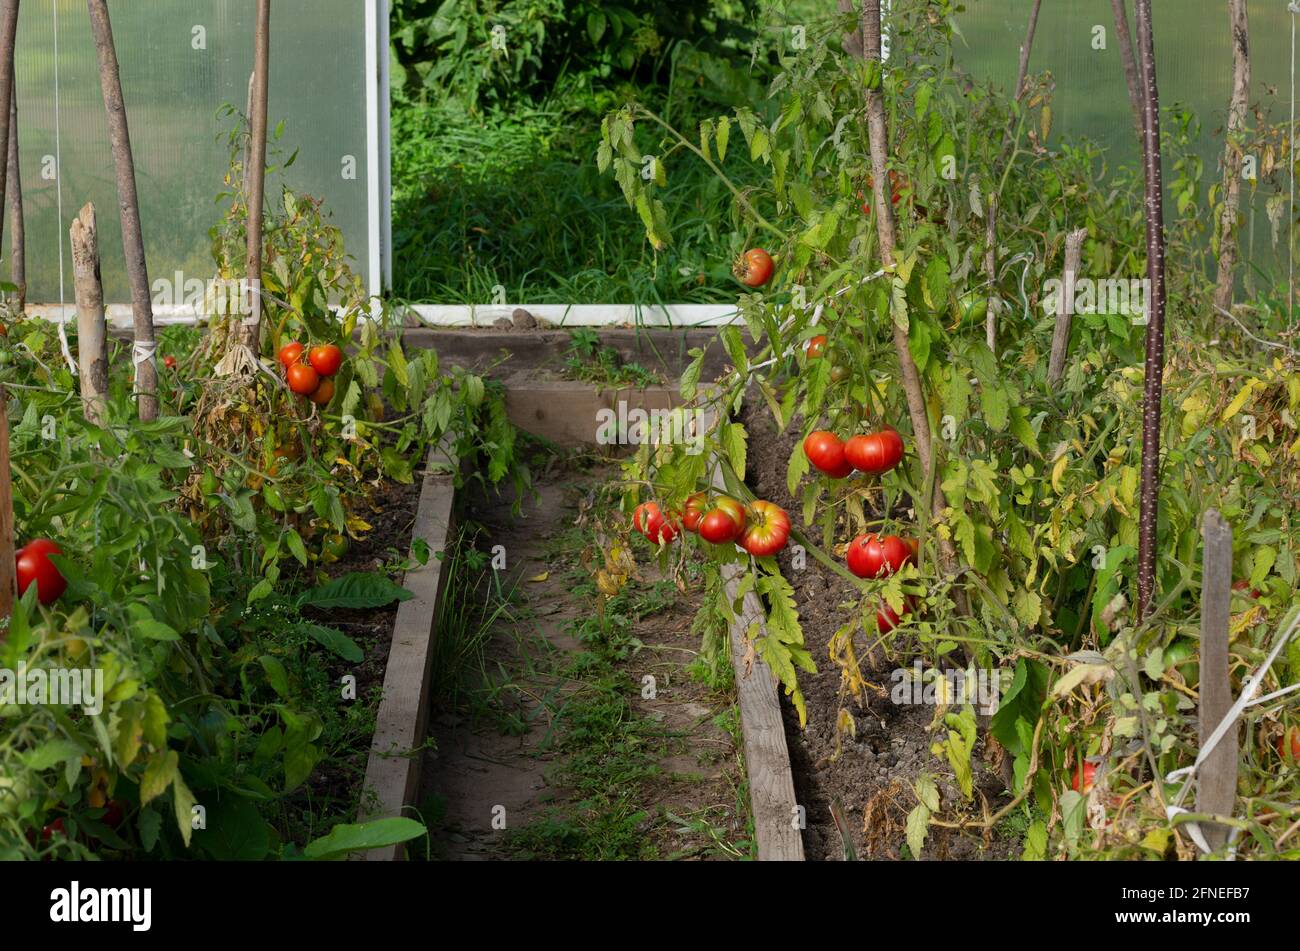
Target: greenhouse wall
(182, 61)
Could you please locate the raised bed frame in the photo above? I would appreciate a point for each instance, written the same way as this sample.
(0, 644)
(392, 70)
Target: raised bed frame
(564, 413)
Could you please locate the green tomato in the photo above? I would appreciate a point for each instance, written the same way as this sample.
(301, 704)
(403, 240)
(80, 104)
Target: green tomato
(971, 309)
(5, 358)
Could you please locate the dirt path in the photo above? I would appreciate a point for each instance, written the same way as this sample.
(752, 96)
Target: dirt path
(573, 736)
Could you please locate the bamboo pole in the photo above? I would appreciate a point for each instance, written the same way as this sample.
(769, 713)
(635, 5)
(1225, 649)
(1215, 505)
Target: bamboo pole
(110, 79)
(92, 334)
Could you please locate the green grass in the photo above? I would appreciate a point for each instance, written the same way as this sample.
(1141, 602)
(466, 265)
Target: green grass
(513, 198)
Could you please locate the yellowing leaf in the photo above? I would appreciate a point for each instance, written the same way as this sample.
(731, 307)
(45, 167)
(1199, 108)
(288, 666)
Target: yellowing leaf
(1239, 400)
(538, 579)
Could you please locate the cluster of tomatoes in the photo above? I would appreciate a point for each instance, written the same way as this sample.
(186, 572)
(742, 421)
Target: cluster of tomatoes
(311, 377)
(868, 555)
(870, 452)
(34, 567)
(762, 528)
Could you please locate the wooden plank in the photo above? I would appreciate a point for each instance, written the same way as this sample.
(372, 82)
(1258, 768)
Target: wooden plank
(1216, 783)
(767, 757)
(393, 770)
(8, 570)
(567, 413)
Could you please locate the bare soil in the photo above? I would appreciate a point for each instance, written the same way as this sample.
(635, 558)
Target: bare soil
(872, 775)
(490, 782)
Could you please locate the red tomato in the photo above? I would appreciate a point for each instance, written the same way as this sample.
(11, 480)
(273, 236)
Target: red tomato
(768, 530)
(34, 565)
(47, 833)
(169, 362)
(875, 452)
(1083, 776)
(887, 618)
(724, 522)
(825, 451)
(323, 393)
(696, 505)
(754, 268)
(114, 813)
(1293, 736)
(650, 521)
(870, 556)
(325, 359)
(816, 347)
(303, 380)
(290, 353)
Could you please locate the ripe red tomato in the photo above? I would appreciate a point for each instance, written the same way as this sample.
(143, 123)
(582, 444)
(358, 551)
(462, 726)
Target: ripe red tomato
(290, 353)
(1290, 738)
(816, 347)
(1082, 778)
(325, 359)
(650, 521)
(169, 362)
(724, 522)
(303, 380)
(825, 451)
(887, 618)
(323, 393)
(48, 831)
(768, 529)
(693, 512)
(114, 813)
(870, 556)
(754, 268)
(875, 452)
(34, 565)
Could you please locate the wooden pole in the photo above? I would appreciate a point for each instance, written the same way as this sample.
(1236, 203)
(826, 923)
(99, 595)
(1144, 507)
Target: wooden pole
(17, 226)
(1061, 334)
(92, 334)
(991, 271)
(110, 79)
(8, 36)
(1153, 383)
(1132, 77)
(8, 568)
(882, 204)
(1216, 782)
(255, 174)
(1238, 107)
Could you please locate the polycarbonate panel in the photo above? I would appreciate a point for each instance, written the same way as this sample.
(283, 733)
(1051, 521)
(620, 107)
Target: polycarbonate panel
(181, 60)
(1193, 65)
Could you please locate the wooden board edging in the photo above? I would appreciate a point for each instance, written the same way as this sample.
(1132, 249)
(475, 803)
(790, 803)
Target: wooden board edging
(767, 756)
(393, 768)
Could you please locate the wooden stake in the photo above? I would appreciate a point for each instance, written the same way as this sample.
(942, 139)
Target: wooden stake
(8, 35)
(17, 226)
(991, 271)
(1216, 782)
(110, 80)
(1061, 335)
(8, 570)
(1132, 78)
(92, 334)
(255, 174)
(1238, 108)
